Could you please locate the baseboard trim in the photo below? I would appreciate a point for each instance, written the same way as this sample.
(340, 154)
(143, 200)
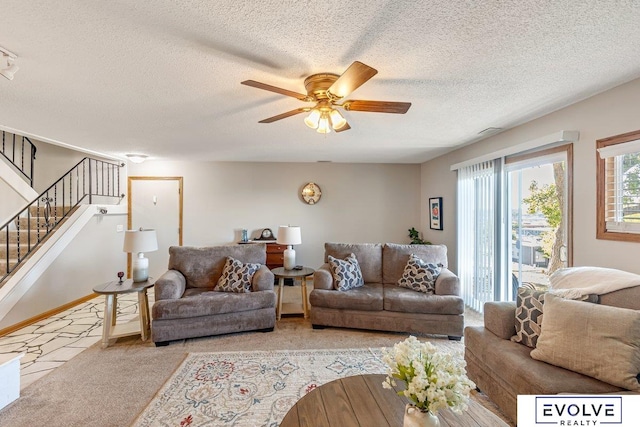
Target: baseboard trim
(34, 319)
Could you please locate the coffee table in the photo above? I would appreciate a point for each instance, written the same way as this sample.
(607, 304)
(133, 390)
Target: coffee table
(111, 290)
(281, 273)
(362, 401)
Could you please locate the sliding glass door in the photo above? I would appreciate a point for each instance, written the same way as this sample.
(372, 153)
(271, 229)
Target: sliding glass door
(514, 223)
(539, 213)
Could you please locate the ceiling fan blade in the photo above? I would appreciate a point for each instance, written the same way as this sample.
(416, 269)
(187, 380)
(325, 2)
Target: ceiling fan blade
(377, 106)
(354, 77)
(284, 115)
(275, 89)
(343, 128)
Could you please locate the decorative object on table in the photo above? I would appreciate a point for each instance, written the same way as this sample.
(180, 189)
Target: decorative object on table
(414, 235)
(414, 417)
(289, 235)
(245, 235)
(266, 234)
(435, 213)
(433, 380)
(311, 193)
(120, 276)
(140, 241)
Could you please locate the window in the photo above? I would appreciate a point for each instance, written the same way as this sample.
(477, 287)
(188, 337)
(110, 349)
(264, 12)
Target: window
(618, 187)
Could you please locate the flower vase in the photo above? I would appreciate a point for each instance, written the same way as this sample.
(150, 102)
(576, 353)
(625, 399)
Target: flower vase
(414, 417)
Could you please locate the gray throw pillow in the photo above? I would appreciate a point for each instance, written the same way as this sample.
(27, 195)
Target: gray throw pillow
(529, 314)
(346, 272)
(236, 276)
(420, 275)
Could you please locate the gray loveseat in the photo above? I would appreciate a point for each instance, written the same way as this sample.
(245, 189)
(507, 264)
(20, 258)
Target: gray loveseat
(503, 369)
(381, 304)
(186, 306)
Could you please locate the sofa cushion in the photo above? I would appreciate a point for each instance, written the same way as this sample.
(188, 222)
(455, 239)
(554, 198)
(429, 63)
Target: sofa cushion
(596, 340)
(236, 276)
(369, 257)
(346, 272)
(199, 302)
(405, 300)
(528, 317)
(367, 298)
(202, 267)
(395, 257)
(419, 275)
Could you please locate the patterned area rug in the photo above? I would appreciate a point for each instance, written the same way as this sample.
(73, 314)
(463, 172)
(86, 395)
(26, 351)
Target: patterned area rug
(249, 388)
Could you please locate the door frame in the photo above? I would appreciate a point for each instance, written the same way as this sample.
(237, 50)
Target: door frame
(130, 180)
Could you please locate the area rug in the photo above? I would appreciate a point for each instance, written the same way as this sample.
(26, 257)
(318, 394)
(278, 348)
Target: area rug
(249, 388)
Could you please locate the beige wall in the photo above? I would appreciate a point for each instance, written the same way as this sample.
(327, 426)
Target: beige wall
(360, 202)
(610, 113)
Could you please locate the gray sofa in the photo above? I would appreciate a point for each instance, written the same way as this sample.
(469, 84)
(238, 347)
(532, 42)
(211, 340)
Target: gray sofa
(503, 369)
(381, 304)
(186, 306)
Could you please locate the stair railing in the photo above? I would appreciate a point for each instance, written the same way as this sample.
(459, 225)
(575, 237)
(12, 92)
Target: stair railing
(15, 152)
(33, 224)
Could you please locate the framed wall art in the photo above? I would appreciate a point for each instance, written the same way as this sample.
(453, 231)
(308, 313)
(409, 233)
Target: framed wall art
(435, 213)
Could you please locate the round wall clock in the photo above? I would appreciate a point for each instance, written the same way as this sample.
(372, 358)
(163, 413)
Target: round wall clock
(311, 193)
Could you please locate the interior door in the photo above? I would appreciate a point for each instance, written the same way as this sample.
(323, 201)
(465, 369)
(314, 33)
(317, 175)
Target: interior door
(156, 202)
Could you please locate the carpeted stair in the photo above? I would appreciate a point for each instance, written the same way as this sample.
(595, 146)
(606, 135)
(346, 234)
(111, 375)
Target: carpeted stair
(24, 235)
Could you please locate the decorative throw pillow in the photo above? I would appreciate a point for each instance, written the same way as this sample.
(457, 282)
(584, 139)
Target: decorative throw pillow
(346, 272)
(529, 304)
(600, 341)
(236, 276)
(419, 275)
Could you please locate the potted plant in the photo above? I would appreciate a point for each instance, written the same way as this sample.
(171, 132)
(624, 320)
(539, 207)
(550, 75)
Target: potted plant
(414, 235)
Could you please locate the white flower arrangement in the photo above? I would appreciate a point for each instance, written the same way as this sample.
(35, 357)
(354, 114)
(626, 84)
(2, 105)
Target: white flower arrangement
(434, 380)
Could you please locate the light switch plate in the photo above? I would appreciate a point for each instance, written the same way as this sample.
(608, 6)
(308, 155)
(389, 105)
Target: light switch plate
(119, 228)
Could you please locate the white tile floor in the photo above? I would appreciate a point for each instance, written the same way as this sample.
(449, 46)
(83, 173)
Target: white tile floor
(51, 342)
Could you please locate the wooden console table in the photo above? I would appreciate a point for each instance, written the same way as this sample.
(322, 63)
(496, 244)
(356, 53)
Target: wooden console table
(362, 401)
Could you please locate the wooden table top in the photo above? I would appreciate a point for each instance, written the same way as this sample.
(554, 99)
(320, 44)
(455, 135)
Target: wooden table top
(281, 272)
(124, 287)
(362, 401)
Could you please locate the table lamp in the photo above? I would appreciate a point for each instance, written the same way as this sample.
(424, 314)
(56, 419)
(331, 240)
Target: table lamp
(140, 241)
(289, 235)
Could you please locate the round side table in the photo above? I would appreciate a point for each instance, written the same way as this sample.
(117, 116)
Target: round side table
(302, 274)
(111, 290)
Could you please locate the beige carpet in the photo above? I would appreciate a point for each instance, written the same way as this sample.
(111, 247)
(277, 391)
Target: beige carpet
(110, 387)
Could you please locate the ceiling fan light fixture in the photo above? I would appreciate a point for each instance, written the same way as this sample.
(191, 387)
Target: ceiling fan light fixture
(337, 121)
(313, 119)
(324, 124)
(7, 65)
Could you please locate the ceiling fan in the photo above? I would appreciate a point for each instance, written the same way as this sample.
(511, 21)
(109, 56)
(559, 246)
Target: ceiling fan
(327, 91)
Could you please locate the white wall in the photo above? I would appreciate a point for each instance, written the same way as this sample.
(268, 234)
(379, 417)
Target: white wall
(95, 256)
(360, 202)
(610, 113)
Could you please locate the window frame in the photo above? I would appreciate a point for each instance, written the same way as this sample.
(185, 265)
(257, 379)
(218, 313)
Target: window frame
(602, 232)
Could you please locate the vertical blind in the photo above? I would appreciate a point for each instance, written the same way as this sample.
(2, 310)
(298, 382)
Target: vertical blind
(476, 215)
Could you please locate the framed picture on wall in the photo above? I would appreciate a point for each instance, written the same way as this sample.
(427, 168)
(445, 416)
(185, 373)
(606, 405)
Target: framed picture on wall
(435, 213)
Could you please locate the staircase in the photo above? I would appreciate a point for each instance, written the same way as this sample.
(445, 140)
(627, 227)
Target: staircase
(25, 235)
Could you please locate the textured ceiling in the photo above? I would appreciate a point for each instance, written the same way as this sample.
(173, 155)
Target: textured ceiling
(163, 77)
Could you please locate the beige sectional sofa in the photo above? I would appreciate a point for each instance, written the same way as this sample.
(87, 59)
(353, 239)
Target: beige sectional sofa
(503, 369)
(381, 304)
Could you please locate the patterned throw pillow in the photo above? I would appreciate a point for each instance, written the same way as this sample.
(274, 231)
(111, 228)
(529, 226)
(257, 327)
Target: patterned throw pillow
(346, 272)
(529, 305)
(420, 275)
(236, 276)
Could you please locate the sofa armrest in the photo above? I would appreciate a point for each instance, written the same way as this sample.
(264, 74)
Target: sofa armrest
(262, 279)
(500, 318)
(448, 283)
(170, 285)
(322, 278)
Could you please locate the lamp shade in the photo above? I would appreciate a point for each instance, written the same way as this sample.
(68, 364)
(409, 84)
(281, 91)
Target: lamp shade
(140, 241)
(289, 235)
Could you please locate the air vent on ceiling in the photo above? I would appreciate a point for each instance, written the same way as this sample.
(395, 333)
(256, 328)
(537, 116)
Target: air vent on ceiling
(489, 131)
